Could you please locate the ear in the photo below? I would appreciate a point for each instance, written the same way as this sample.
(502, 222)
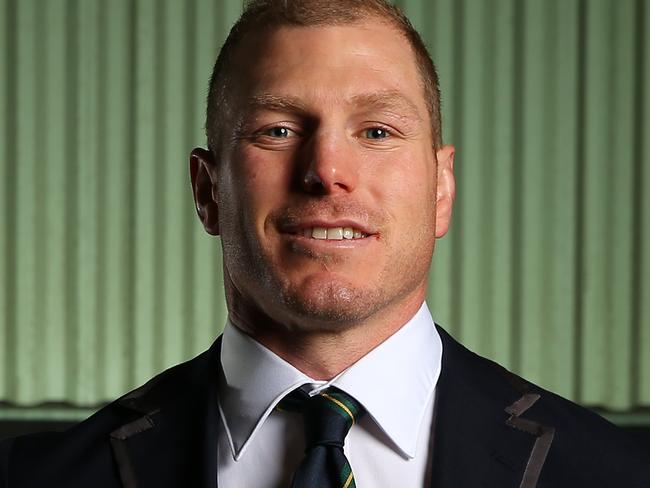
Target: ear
(446, 189)
(203, 178)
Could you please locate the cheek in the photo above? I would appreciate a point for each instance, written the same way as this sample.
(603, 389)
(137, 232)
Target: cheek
(404, 184)
(259, 183)
(257, 169)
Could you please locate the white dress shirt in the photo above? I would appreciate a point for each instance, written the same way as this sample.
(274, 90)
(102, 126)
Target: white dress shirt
(260, 447)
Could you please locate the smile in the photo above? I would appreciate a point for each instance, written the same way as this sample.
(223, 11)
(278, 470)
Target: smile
(318, 229)
(333, 233)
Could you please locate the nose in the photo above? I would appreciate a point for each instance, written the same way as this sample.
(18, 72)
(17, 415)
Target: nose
(329, 165)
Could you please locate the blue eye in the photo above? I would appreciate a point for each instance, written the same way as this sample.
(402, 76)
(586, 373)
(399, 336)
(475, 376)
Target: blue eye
(376, 133)
(280, 132)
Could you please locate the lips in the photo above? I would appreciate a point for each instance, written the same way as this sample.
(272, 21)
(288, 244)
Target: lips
(329, 223)
(334, 231)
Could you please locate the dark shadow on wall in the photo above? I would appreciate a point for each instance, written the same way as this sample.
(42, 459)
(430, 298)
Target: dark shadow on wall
(12, 428)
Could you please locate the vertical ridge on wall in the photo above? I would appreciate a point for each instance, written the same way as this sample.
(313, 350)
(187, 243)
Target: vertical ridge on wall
(26, 335)
(6, 252)
(53, 231)
(117, 197)
(71, 200)
(637, 177)
(145, 175)
(107, 277)
(622, 342)
(580, 150)
(87, 190)
(473, 169)
(547, 169)
(515, 213)
(174, 203)
(643, 197)
(189, 130)
(608, 205)
(156, 178)
(502, 339)
(39, 184)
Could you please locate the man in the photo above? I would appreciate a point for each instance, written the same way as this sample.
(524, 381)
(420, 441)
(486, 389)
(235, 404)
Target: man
(328, 183)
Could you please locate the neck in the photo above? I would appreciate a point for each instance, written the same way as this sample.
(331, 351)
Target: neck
(323, 353)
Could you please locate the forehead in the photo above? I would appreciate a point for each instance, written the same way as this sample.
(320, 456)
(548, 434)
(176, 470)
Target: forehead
(330, 64)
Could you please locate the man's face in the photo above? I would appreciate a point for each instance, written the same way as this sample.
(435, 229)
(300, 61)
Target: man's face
(327, 195)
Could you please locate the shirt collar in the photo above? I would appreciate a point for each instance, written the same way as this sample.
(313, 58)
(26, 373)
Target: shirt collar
(394, 382)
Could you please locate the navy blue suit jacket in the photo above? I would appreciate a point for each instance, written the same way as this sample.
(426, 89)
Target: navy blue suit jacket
(492, 430)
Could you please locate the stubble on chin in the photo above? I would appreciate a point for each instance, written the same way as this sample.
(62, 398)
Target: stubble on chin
(334, 303)
(331, 306)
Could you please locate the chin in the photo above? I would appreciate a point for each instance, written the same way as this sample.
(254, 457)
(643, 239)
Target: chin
(330, 304)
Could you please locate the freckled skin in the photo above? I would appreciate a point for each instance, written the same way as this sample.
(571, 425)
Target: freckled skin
(294, 296)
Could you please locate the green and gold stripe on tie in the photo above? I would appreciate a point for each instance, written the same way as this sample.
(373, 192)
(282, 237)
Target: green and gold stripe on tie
(345, 408)
(328, 417)
(346, 477)
(341, 405)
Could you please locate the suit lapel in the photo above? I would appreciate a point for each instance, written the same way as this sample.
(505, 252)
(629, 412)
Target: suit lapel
(480, 437)
(172, 439)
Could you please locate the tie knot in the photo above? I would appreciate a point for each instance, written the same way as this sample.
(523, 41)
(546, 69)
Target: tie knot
(328, 416)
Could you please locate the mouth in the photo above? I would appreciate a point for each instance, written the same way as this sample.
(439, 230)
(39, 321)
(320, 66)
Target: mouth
(329, 231)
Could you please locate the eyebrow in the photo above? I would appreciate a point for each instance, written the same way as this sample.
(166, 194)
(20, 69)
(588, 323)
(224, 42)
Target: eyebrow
(391, 100)
(277, 103)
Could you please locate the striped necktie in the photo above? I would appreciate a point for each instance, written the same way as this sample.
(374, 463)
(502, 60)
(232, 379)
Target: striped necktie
(328, 417)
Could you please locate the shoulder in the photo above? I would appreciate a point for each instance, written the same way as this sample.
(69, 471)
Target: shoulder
(82, 455)
(582, 448)
(586, 447)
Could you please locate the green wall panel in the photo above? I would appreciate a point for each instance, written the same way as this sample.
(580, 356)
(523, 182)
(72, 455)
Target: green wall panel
(106, 276)
(642, 203)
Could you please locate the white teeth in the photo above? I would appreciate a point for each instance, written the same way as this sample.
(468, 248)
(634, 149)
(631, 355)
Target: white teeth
(319, 233)
(333, 233)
